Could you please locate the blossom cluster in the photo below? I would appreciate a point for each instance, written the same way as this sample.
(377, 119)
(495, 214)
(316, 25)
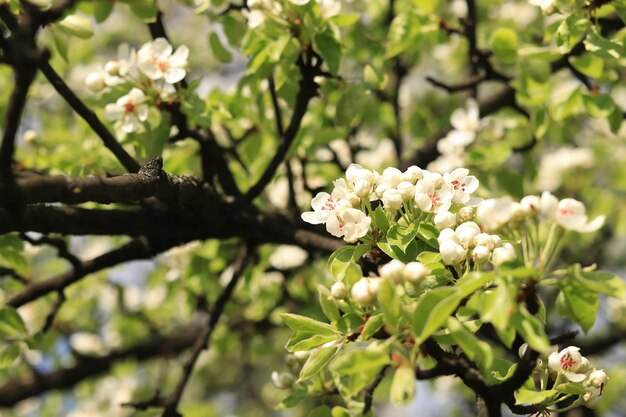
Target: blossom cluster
(150, 73)
(568, 213)
(569, 365)
(414, 193)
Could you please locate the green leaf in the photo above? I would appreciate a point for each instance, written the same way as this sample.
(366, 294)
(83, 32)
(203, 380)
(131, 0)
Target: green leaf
(571, 388)
(76, 25)
(60, 40)
(321, 411)
(301, 342)
(602, 281)
(220, 52)
(402, 389)
(340, 412)
(145, 10)
(531, 329)
(497, 305)
(526, 396)
(306, 324)
(11, 325)
(402, 236)
(388, 303)
(12, 253)
(589, 64)
(578, 302)
(428, 233)
(380, 220)
(8, 354)
(356, 361)
(432, 311)
(102, 9)
(603, 47)
(475, 349)
(504, 44)
(345, 19)
(234, 28)
(328, 304)
(330, 50)
(412, 250)
(599, 106)
(472, 282)
(372, 325)
(317, 361)
(539, 122)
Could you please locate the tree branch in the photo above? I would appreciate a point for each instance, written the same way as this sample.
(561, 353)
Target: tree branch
(90, 117)
(202, 341)
(135, 249)
(19, 389)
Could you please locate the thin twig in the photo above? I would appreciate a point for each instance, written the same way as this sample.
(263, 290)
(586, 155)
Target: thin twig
(369, 391)
(203, 338)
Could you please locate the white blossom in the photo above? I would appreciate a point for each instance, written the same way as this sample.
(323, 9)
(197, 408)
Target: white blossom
(323, 205)
(465, 123)
(481, 254)
(350, 223)
(570, 215)
(156, 60)
(570, 363)
(287, 257)
(494, 213)
(95, 82)
(130, 109)
(463, 186)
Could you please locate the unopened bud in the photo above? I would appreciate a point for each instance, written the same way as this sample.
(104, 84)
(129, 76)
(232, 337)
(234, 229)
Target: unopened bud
(338, 291)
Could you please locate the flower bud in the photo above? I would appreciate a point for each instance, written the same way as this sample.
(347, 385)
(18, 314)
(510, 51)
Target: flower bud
(30, 136)
(365, 291)
(392, 271)
(282, 380)
(445, 219)
(451, 252)
(95, 82)
(412, 174)
(517, 212)
(447, 234)
(362, 188)
(465, 214)
(381, 188)
(113, 67)
(481, 254)
(407, 190)
(392, 199)
(338, 291)
(531, 205)
(597, 378)
(391, 176)
(466, 233)
(503, 254)
(483, 239)
(414, 272)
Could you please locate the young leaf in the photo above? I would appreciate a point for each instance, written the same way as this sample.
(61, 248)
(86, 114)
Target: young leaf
(305, 324)
(317, 361)
(11, 325)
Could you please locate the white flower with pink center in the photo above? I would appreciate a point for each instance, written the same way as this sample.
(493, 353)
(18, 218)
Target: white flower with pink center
(349, 223)
(129, 110)
(571, 215)
(463, 185)
(323, 206)
(156, 60)
(570, 363)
